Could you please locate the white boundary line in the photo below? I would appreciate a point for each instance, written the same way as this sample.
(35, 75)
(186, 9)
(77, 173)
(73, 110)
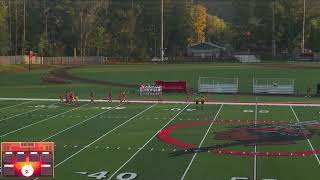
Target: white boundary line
(38, 122)
(311, 146)
(312, 104)
(15, 105)
(255, 146)
(147, 142)
(77, 124)
(204, 137)
(117, 127)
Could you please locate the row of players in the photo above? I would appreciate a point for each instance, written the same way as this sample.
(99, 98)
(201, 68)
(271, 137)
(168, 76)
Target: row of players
(150, 90)
(72, 98)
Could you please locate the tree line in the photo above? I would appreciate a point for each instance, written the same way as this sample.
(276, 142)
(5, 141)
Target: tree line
(131, 28)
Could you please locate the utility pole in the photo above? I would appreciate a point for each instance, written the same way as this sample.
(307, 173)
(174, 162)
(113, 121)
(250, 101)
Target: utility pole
(274, 47)
(303, 26)
(23, 49)
(16, 41)
(45, 16)
(132, 5)
(81, 26)
(162, 50)
(10, 26)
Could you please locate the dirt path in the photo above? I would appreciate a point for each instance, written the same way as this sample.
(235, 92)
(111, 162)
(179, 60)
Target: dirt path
(64, 74)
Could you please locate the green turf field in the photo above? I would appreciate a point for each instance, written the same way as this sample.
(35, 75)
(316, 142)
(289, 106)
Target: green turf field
(96, 142)
(14, 79)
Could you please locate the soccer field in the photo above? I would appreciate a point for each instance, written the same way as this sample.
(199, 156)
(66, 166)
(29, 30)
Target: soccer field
(164, 141)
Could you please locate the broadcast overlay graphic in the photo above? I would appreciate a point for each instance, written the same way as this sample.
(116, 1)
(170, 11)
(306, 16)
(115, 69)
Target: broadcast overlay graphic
(27, 159)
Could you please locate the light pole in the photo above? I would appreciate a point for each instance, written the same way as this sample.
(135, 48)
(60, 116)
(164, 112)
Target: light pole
(303, 26)
(274, 47)
(161, 50)
(24, 29)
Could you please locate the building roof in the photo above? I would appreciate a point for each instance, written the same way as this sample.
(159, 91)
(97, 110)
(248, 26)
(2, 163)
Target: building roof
(205, 46)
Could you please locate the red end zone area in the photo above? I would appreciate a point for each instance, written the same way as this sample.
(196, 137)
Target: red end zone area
(268, 133)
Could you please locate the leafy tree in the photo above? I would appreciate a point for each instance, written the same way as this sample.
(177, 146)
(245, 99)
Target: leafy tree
(199, 22)
(3, 29)
(179, 31)
(43, 44)
(98, 39)
(215, 28)
(314, 38)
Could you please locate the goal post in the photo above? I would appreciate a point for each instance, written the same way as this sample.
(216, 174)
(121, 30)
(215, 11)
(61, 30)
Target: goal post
(218, 85)
(273, 86)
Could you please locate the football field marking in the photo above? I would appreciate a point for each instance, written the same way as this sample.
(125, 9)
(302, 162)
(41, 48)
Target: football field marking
(38, 122)
(255, 146)
(276, 103)
(311, 146)
(77, 124)
(147, 142)
(204, 137)
(20, 114)
(99, 138)
(15, 105)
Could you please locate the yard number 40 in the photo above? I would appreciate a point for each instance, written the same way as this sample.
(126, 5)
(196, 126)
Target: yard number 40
(243, 178)
(122, 176)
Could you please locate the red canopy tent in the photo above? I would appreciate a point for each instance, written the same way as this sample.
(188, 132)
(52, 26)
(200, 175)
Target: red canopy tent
(173, 86)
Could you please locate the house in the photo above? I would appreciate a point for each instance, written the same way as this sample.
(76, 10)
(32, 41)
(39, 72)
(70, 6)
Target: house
(206, 50)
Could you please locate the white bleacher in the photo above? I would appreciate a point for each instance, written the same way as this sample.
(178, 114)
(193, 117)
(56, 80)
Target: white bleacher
(247, 58)
(273, 86)
(218, 85)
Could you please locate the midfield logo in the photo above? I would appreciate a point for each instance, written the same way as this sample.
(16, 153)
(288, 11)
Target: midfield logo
(256, 133)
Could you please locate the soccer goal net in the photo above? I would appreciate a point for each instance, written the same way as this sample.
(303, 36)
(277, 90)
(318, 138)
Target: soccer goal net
(273, 86)
(218, 85)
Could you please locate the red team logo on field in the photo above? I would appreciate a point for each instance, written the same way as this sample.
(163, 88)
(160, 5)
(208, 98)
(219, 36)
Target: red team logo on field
(256, 133)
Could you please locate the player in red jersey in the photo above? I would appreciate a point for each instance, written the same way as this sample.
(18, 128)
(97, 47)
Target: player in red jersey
(121, 97)
(71, 97)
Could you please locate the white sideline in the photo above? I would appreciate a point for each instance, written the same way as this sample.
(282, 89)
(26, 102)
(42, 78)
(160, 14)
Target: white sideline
(77, 124)
(147, 143)
(311, 146)
(204, 137)
(307, 104)
(15, 105)
(104, 135)
(38, 122)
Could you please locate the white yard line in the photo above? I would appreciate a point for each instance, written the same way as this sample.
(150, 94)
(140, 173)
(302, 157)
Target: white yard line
(311, 146)
(255, 146)
(20, 114)
(122, 124)
(204, 137)
(38, 122)
(147, 143)
(15, 105)
(77, 124)
(307, 104)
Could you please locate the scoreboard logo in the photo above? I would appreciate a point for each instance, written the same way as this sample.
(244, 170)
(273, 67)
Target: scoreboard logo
(27, 159)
